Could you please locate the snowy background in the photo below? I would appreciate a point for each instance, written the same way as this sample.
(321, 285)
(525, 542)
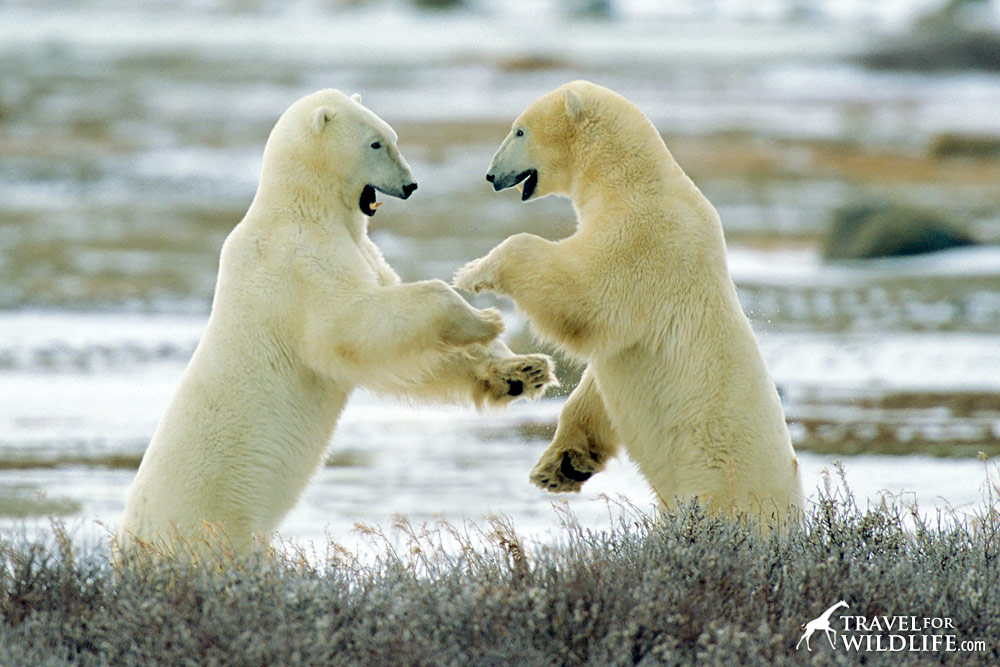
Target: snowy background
(130, 144)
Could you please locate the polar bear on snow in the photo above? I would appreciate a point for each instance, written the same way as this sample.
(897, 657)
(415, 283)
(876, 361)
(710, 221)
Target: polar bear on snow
(305, 310)
(642, 293)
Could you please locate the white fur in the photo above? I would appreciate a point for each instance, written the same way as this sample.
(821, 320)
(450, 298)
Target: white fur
(640, 291)
(305, 310)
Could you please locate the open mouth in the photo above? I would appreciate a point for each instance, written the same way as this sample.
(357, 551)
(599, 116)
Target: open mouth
(367, 202)
(530, 178)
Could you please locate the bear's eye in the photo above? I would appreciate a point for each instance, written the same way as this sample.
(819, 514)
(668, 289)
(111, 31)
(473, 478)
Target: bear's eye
(376, 145)
(520, 133)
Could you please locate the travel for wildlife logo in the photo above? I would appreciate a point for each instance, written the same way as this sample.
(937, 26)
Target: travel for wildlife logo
(886, 633)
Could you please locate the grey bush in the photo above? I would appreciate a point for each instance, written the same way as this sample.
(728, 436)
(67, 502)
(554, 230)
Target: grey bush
(682, 588)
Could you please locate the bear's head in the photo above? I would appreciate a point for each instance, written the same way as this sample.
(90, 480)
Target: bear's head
(537, 155)
(338, 148)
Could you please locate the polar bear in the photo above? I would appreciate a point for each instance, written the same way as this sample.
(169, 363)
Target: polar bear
(642, 293)
(305, 310)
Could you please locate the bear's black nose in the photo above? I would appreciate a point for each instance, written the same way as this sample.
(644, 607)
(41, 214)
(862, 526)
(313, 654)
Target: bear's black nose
(408, 190)
(489, 177)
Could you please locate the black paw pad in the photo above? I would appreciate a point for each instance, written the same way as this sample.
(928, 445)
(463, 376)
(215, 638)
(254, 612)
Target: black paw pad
(571, 473)
(515, 388)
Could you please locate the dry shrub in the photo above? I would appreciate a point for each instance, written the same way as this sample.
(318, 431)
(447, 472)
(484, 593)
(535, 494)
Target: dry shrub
(681, 588)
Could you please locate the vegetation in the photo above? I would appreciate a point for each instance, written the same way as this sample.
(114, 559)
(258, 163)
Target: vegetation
(680, 589)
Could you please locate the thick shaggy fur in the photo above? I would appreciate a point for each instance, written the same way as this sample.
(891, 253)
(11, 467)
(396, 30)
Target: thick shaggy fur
(305, 310)
(641, 292)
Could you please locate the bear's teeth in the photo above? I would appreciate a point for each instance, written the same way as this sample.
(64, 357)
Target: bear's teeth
(374, 205)
(520, 188)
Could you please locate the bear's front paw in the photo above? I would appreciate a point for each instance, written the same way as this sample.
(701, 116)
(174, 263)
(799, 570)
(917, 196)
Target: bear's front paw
(526, 375)
(475, 276)
(564, 470)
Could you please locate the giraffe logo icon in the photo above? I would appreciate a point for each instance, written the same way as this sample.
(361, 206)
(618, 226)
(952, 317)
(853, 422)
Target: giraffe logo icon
(822, 622)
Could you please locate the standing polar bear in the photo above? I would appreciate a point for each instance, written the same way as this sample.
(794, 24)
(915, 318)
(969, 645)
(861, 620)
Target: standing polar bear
(305, 310)
(642, 293)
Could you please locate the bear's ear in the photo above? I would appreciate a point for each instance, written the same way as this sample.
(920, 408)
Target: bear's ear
(574, 104)
(356, 97)
(321, 117)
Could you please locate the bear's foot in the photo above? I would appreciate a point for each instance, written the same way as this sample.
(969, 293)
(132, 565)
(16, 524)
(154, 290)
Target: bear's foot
(564, 470)
(526, 375)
